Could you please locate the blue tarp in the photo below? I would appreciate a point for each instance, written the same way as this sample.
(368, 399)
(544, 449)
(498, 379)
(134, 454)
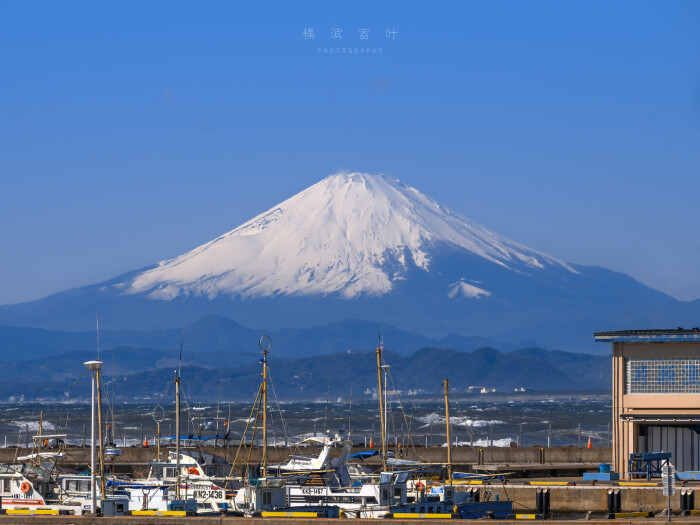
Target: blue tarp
(364, 454)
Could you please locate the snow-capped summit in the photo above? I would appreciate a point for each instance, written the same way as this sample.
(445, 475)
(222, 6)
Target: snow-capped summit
(349, 234)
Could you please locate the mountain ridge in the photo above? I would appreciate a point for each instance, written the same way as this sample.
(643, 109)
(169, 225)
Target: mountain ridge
(147, 374)
(215, 333)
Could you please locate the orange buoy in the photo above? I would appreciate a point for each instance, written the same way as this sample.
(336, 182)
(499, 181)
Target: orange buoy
(193, 471)
(589, 442)
(25, 487)
(420, 486)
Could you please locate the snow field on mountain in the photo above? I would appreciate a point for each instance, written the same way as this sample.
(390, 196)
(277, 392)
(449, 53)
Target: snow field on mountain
(349, 234)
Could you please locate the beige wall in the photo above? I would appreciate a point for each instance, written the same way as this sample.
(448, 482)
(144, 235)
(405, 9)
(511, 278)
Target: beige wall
(626, 433)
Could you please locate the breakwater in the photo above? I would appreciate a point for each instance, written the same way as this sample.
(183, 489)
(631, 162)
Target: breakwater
(529, 460)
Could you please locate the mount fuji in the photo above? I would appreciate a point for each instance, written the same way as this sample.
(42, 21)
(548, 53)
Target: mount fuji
(349, 235)
(367, 247)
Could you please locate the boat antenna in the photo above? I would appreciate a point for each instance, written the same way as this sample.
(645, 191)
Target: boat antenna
(97, 320)
(218, 403)
(349, 409)
(110, 401)
(325, 414)
(182, 337)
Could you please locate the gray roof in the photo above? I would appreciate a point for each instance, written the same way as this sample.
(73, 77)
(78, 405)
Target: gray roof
(650, 336)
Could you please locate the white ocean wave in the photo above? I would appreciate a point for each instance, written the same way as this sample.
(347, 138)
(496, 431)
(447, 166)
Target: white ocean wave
(434, 419)
(504, 442)
(33, 426)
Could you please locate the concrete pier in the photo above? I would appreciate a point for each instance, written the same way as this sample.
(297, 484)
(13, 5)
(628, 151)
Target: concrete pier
(530, 461)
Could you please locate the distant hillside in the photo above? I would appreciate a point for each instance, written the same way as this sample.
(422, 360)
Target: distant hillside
(216, 333)
(148, 374)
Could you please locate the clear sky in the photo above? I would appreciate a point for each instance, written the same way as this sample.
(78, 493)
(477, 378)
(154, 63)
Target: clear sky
(131, 131)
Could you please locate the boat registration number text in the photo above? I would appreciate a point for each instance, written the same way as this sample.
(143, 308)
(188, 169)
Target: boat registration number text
(209, 494)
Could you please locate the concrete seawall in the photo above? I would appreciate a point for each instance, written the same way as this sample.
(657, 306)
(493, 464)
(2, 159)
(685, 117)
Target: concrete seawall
(464, 458)
(577, 497)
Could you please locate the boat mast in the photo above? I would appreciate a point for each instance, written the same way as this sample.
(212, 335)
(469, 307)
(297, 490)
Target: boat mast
(264, 345)
(381, 404)
(177, 435)
(177, 420)
(449, 445)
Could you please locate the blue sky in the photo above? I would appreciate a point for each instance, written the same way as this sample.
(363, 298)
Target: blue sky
(131, 132)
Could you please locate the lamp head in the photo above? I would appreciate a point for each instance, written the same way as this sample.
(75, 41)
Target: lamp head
(93, 365)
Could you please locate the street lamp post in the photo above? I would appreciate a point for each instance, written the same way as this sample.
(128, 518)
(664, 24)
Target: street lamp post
(94, 367)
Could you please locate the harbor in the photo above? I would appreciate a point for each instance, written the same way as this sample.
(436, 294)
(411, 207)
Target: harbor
(517, 474)
(212, 470)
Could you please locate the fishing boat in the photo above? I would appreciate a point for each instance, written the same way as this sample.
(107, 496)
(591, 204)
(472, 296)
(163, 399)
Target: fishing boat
(190, 476)
(201, 477)
(37, 482)
(330, 468)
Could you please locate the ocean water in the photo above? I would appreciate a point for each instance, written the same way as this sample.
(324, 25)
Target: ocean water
(527, 420)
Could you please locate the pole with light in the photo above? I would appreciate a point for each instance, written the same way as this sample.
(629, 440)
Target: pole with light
(386, 368)
(93, 366)
(382, 415)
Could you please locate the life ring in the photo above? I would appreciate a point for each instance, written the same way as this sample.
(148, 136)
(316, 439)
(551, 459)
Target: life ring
(420, 486)
(25, 487)
(193, 471)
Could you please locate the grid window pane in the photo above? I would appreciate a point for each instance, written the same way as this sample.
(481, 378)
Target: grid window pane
(679, 375)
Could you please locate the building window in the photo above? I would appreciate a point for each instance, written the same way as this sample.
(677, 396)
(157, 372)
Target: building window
(678, 375)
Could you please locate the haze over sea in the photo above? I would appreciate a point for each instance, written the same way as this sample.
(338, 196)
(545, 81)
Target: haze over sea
(476, 421)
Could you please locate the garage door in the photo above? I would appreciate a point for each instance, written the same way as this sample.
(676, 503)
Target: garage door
(682, 442)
